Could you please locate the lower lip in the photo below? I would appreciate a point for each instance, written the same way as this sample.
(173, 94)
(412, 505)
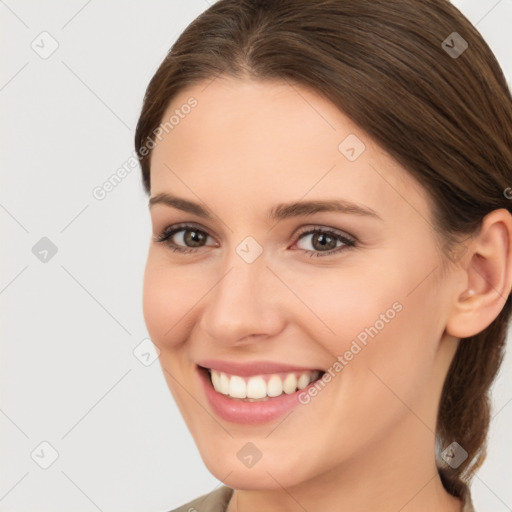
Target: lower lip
(239, 411)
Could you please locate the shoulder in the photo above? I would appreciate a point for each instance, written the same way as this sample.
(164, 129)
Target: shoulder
(217, 501)
(214, 501)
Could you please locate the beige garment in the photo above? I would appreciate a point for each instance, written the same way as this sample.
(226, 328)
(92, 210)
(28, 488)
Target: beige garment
(217, 501)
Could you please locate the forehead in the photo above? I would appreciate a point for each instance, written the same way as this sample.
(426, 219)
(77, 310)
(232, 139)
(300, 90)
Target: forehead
(262, 142)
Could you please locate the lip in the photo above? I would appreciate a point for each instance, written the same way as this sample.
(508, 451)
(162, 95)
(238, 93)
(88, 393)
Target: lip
(239, 411)
(253, 368)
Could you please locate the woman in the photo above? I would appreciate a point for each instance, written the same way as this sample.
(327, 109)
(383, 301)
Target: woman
(329, 277)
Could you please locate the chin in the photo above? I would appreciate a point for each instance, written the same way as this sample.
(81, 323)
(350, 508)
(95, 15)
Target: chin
(261, 476)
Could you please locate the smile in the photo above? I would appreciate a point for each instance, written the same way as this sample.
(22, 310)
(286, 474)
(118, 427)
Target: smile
(263, 408)
(261, 387)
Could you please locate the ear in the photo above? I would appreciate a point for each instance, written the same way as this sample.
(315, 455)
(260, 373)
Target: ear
(487, 268)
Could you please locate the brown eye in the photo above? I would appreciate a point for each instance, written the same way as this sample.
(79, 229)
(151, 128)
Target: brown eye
(193, 237)
(325, 242)
(183, 238)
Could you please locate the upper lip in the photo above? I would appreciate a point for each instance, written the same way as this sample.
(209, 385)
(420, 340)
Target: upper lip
(253, 368)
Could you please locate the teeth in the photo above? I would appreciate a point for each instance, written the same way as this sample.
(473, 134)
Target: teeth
(237, 387)
(274, 386)
(303, 381)
(290, 384)
(256, 388)
(261, 386)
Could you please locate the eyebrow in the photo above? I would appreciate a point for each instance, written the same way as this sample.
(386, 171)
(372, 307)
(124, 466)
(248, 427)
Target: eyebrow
(279, 212)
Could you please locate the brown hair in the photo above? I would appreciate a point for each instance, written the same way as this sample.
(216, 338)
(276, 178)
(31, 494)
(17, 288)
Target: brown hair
(446, 118)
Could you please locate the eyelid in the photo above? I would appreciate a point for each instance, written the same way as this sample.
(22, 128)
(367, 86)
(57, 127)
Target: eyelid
(326, 229)
(303, 230)
(172, 229)
(348, 241)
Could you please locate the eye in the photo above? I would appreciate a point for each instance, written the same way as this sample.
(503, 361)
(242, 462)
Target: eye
(190, 238)
(325, 241)
(187, 238)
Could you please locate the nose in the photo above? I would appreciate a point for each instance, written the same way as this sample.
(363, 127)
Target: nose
(245, 304)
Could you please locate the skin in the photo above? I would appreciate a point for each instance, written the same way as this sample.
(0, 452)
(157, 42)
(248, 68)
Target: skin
(366, 441)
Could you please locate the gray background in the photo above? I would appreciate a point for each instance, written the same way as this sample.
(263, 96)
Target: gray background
(69, 376)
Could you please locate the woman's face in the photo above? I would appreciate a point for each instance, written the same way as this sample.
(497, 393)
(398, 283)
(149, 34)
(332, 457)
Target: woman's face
(256, 285)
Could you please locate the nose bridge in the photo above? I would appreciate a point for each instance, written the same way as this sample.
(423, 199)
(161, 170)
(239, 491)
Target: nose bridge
(240, 304)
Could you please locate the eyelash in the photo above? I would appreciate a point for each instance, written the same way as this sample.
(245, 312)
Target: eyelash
(169, 231)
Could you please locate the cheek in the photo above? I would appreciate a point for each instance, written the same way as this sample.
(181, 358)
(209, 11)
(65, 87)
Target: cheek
(374, 319)
(167, 298)
(337, 306)
(391, 342)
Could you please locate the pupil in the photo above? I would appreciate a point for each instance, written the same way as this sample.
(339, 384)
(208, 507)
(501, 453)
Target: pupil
(323, 240)
(193, 237)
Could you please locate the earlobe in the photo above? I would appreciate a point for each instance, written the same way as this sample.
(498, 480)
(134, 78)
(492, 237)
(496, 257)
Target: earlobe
(488, 276)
